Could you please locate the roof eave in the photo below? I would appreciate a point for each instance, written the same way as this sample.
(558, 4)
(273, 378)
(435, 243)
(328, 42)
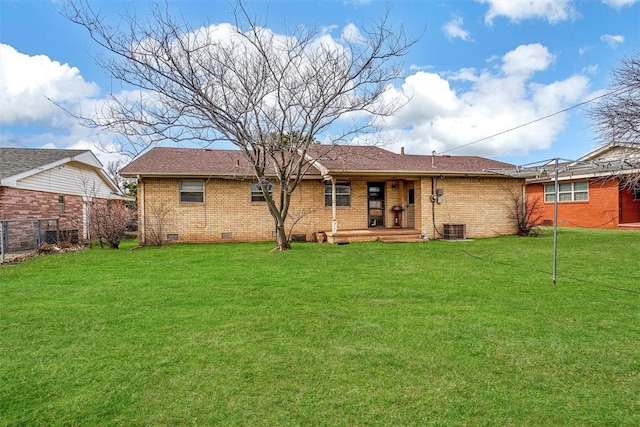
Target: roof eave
(587, 175)
(175, 175)
(411, 173)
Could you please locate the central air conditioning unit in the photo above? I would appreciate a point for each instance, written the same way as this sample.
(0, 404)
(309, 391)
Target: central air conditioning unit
(455, 232)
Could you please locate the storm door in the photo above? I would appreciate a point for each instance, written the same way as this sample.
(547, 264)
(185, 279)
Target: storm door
(376, 204)
(411, 206)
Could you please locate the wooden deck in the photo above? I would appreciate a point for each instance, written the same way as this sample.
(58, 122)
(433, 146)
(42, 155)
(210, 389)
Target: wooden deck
(378, 234)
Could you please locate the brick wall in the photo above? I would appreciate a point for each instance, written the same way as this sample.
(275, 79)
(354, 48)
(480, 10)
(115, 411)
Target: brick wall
(227, 213)
(482, 204)
(600, 211)
(227, 208)
(28, 204)
(630, 208)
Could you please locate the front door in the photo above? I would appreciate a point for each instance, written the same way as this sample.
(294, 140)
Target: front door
(376, 204)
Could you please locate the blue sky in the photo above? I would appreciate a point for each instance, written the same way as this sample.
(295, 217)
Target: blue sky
(480, 68)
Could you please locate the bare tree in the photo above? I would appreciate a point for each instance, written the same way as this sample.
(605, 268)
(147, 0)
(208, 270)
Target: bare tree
(155, 226)
(525, 213)
(616, 117)
(109, 220)
(113, 172)
(269, 95)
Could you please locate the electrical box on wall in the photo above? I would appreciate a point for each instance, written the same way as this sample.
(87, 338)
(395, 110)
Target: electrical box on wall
(437, 198)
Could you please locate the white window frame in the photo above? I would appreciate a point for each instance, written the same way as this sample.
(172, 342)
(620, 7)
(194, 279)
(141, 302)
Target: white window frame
(61, 204)
(343, 194)
(193, 188)
(256, 192)
(567, 192)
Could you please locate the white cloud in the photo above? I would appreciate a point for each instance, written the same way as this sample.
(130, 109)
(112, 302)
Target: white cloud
(584, 50)
(464, 74)
(27, 81)
(351, 34)
(612, 41)
(453, 29)
(527, 59)
(619, 4)
(441, 117)
(553, 11)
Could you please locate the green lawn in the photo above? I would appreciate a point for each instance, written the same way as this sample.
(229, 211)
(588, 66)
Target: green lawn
(467, 333)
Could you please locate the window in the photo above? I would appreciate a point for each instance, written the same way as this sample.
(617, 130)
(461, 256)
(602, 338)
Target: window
(256, 191)
(61, 204)
(636, 192)
(191, 191)
(412, 196)
(343, 193)
(567, 192)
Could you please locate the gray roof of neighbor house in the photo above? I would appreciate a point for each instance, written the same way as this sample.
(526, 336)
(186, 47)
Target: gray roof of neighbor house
(326, 159)
(18, 160)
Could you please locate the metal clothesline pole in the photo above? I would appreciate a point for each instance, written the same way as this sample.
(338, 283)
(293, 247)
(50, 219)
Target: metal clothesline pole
(555, 220)
(612, 167)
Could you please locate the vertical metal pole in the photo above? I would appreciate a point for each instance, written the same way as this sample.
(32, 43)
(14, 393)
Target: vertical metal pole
(334, 212)
(38, 239)
(2, 247)
(555, 222)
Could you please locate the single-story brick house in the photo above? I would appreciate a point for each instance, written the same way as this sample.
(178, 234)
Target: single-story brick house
(208, 195)
(590, 197)
(53, 184)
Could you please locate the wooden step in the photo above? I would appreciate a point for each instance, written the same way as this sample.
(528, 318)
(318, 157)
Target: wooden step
(403, 239)
(374, 234)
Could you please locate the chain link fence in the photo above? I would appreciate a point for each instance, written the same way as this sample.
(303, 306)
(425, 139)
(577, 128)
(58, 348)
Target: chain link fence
(19, 237)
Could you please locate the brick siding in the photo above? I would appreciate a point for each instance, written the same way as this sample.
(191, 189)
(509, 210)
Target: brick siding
(600, 211)
(480, 203)
(629, 207)
(483, 205)
(29, 204)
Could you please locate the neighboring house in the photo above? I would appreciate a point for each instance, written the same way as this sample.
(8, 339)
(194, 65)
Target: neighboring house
(53, 184)
(590, 196)
(206, 195)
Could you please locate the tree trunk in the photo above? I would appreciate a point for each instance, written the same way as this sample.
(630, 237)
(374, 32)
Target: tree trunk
(282, 243)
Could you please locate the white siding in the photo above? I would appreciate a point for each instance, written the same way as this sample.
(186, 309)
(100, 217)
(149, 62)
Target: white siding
(70, 178)
(619, 153)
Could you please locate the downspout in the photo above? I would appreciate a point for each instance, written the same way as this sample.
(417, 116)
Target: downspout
(334, 210)
(524, 200)
(433, 206)
(141, 211)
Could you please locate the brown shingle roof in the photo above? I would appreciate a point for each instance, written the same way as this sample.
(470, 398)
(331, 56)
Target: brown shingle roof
(163, 161)
(376, 159)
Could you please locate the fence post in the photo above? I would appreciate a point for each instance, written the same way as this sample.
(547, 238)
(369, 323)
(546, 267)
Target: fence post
(3, 240)
(38, 240)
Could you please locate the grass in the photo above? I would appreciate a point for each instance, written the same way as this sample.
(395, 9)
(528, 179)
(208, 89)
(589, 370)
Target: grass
(469, 333)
